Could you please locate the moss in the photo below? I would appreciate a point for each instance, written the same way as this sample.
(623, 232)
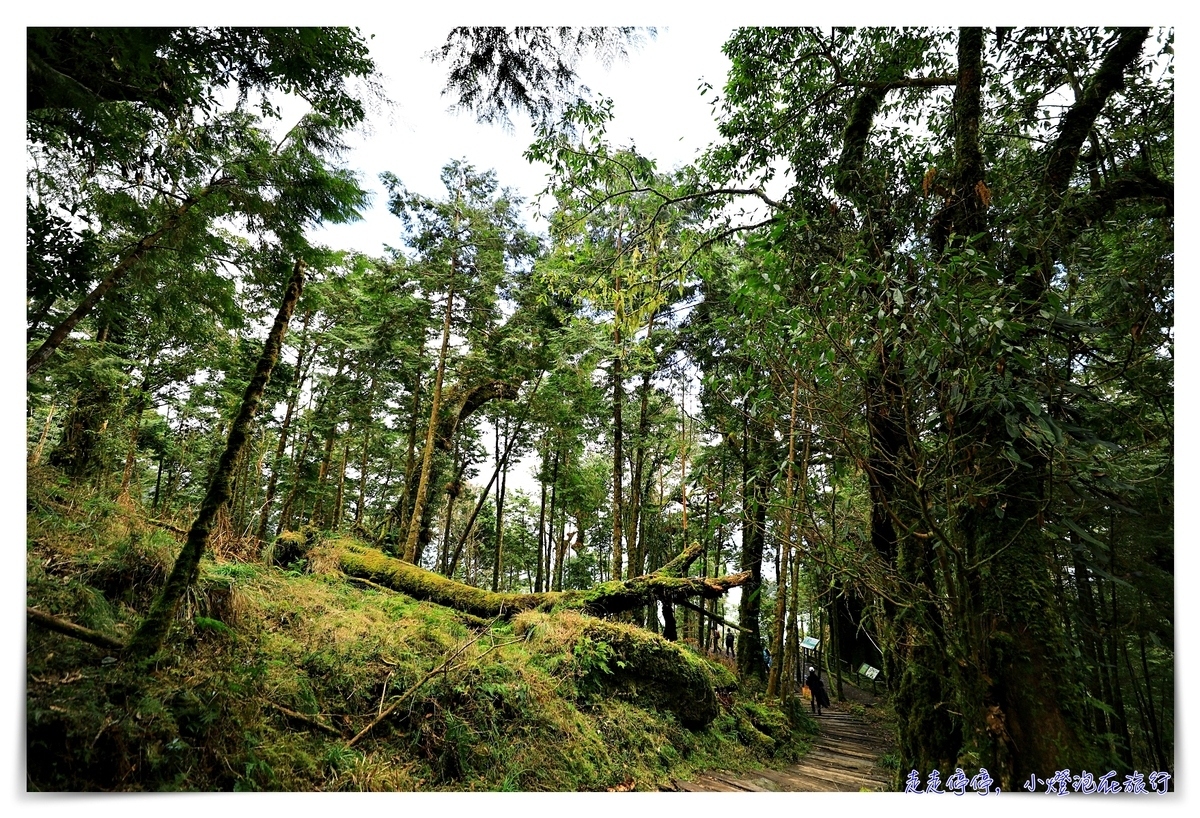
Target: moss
(511, 714)
(288, 548)
(645, 669)
(723, 679)
(376, 566)
(602, 600)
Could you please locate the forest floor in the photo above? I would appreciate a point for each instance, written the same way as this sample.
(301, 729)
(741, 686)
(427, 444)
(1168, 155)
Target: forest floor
(848, 755)
(272, 673)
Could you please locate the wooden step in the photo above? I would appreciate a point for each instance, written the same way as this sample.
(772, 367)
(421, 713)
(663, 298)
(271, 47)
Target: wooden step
(844, 757)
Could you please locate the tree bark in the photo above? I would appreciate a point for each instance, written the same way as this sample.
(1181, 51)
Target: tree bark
(153, 631)
(495, 472)
(139, 406)
(418, 505)
(618, 388)
(36, 457)
(341, 485)
(500, 490)
(318, 517)
(62, 626)
(749, 647)
(543, 540)
(785, 547)
(281, 447)
(606, 599)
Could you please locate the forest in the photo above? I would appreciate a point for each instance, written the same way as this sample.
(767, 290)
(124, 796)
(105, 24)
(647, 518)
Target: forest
(881, 384)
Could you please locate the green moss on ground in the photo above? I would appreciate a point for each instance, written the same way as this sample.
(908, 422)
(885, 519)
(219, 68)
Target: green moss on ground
(269, 672)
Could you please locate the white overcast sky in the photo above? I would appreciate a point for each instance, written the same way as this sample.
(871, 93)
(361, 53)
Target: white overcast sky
(657, 106)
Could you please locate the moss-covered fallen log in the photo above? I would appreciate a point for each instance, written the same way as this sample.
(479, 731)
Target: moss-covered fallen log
(608, 598)
(358, 560)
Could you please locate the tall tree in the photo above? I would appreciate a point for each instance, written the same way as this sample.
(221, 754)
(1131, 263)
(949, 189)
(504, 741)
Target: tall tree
(931, 238)
(153, 630)
(127, 134)
(464, 246)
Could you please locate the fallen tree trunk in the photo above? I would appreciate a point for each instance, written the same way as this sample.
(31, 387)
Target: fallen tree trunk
(606, 599)
(703, 613)
(637, 665)
(62, 626)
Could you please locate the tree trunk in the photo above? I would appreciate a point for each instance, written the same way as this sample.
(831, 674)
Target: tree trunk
(241, 491)
(285, 427)
(139, 406)
(607, 599)
(503, 466)
(337, 505)
(543, 540)
(285, 513)
(1088, 633)
(785, 547)
(319, 517)
(402, 511)
(153, 631)
(512, 439)
(360, 508)
(418, 505)
(618, 389)
(637, 544)
(1113, 669)
(452, 492)
(792, 659)
(617, 505)
(702, 621)
(749, 647)
(36, 457)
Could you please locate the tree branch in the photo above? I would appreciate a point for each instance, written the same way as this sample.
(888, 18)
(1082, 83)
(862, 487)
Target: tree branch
(1077, 123)
(53, 623)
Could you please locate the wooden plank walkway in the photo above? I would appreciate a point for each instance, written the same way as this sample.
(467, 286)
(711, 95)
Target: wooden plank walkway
(844, 758)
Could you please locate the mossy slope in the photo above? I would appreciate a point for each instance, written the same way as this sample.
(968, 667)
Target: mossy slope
(269, 672)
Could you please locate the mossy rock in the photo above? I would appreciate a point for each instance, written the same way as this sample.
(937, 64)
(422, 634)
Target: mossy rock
(289, 547)
(655, 673)
(724, 680)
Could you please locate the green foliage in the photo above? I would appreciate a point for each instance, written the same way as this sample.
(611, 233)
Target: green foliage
(526, 69)
(591, 660)
(968, 285)
(930, 289)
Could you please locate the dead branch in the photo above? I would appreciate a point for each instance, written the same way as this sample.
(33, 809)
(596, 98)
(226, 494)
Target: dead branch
(53, 623)
(309, 720)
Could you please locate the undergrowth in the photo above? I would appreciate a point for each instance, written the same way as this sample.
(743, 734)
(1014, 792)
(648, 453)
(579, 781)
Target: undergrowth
(269, 674)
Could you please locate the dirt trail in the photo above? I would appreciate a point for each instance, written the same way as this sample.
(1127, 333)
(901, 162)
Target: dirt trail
(844, 758)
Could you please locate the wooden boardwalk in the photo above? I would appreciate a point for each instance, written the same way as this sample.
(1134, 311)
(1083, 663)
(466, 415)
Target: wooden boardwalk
(844, 758)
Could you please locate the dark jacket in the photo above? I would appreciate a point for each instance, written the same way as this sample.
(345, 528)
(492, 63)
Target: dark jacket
(817, 688)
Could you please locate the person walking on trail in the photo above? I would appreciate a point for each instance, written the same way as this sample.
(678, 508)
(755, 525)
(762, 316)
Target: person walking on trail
(729, 642)
(817, 688)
